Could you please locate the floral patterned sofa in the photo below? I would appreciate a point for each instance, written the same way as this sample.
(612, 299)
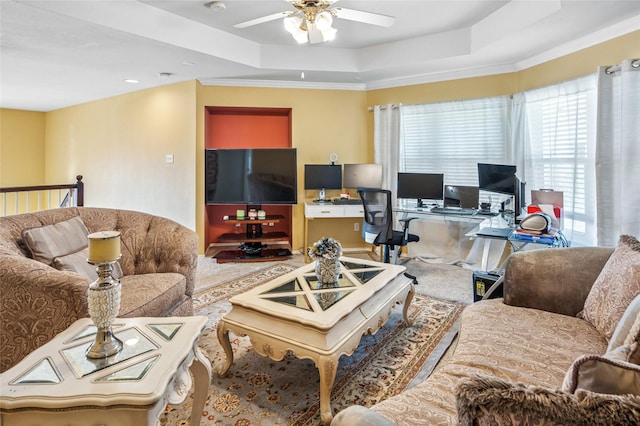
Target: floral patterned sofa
(37, 301)
(561, 348)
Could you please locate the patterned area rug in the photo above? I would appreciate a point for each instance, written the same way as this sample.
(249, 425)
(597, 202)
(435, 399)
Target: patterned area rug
(259, 391)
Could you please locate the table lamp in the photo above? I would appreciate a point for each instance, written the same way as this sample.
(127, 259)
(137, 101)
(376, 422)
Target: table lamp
(104, 293)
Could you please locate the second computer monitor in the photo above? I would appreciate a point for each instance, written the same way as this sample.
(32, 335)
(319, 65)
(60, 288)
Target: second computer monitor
(421, 186)
(362, 175)
(466, 197)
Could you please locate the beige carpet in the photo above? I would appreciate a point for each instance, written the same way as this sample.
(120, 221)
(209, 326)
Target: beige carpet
(441, 280)
(259, 391)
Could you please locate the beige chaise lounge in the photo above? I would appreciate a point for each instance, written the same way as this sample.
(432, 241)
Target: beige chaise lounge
(531, 359)
(37, 301)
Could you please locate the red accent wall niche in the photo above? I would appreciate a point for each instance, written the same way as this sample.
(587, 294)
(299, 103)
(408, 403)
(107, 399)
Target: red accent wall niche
(245, 127)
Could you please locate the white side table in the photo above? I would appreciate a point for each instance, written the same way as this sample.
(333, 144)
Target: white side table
(58, 385)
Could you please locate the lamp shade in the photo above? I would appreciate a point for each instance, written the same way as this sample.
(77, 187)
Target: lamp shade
(104, 246)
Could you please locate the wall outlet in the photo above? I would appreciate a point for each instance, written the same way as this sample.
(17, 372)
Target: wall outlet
(356, 226)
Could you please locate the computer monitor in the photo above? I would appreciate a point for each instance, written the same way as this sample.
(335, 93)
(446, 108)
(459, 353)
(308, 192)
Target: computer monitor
(466, 197)
(500, 178)
(362, 175)
(321, 177)
(420, 186)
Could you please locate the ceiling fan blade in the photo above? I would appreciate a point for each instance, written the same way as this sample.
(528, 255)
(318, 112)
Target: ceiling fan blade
(366, 17)
(264, 19)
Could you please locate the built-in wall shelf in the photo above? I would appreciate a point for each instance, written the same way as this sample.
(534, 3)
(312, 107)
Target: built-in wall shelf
(247, 127)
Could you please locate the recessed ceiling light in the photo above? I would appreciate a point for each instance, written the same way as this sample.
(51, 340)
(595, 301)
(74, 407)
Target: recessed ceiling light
(216, 5)
(131, 80)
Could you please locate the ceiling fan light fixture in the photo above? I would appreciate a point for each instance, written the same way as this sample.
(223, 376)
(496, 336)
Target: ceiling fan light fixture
(301, 37)
(292, 24)
(329, 34)
(324, 20)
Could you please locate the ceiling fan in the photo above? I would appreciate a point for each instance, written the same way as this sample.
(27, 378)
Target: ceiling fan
(313, 19)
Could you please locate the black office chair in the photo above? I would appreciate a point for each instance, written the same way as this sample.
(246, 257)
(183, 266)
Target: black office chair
(377, 228)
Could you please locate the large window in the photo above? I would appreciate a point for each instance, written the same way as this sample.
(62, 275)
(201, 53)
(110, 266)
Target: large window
(452, 137)
(551, 140)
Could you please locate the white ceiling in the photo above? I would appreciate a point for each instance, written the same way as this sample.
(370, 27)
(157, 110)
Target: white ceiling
(61, 53)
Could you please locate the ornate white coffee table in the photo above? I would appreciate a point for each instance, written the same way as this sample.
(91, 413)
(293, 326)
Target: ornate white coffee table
(58, 385)
(294, 313)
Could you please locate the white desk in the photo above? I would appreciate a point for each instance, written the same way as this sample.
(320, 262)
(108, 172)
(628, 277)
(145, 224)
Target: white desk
(57, 385)
(314, 210)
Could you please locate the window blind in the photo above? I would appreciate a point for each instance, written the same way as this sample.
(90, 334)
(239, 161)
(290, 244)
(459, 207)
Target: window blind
(561, 150)
(452, 137)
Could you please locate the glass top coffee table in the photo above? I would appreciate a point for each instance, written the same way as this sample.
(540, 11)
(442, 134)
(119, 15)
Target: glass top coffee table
(57, 385)
(295, 313)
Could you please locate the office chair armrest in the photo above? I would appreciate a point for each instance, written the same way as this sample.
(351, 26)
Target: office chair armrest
(405, 222)
(405, 226)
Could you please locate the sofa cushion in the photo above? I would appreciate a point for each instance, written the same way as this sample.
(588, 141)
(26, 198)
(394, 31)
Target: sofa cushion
(151, 295)
(60, 239)
(614, 289)
(616, 372)
(537, 349)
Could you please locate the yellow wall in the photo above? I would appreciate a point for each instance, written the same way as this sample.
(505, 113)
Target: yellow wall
(323, 122)
(22, 148)
(119, 145)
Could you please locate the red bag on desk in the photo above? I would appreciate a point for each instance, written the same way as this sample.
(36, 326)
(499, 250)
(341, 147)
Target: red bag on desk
(534, 209)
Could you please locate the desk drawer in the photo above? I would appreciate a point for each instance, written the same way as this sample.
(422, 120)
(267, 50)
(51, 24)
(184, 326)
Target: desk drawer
(354, 211)
(323, 211)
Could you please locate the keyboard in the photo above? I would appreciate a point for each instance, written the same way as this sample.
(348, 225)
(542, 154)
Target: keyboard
(454, 210)
(347, 201)
(486, 213)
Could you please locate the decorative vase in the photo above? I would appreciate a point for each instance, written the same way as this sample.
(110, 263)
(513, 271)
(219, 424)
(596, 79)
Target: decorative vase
(327, 270)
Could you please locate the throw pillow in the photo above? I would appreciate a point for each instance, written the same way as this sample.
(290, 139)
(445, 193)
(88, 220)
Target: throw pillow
(60, 239)
(77, 262)
(626, 331)
(612, 373)
(64, 245)
(614, 289)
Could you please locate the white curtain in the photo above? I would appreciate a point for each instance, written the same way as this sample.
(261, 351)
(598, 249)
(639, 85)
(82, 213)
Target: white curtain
(618, 152)
(386, 143)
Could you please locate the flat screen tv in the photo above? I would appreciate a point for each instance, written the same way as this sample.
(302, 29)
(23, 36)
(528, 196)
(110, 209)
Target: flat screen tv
(421, 186)
(500, 178)
(362, 175)
(251, 176)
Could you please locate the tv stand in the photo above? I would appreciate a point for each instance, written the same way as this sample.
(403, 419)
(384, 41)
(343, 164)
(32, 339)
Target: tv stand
(226, 248)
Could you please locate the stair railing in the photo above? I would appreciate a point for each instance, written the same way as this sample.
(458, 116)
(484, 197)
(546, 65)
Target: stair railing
(28, 199)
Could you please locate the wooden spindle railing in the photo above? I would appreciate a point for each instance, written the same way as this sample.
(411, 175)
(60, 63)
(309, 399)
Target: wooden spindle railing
(27, 199)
